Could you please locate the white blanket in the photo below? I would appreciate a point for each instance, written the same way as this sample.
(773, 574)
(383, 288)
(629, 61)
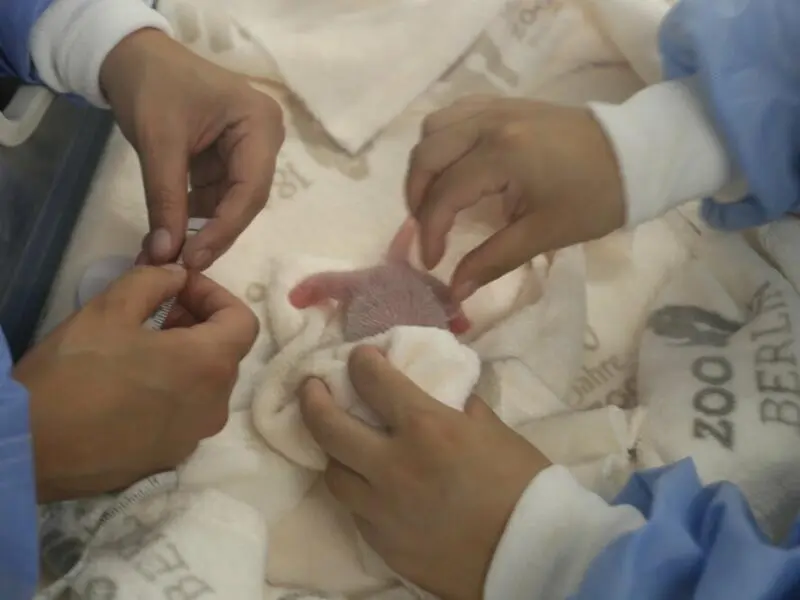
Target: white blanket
(558, 344)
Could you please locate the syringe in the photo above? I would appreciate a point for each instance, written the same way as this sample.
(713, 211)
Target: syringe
(157, 320)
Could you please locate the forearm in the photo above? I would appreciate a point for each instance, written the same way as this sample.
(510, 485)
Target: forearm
(72, 38)
(18, 511)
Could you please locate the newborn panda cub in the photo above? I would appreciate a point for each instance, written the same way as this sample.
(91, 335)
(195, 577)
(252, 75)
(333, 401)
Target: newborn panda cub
(376, 299)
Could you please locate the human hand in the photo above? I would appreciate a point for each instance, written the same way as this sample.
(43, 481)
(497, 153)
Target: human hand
(112, 402)
(432, 494)
(189, 119)
(551, 166)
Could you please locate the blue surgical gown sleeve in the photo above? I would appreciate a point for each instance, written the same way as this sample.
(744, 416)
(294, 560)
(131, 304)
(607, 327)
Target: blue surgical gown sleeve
(744, 54)
(18, 511)
(17, 18)
(698, 542)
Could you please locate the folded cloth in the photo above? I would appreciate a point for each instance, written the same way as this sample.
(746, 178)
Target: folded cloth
(433, 358)
(719, 377)
(207, 28)
(633, 26)
(523, 365)
(780, 242)
(138, 554)
(349, 60)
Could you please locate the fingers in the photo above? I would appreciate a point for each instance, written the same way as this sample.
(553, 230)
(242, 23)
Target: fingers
(447, 135)
(432, 156)
(476, 408)
(250, 149)
(461, 110)
(343, 437)
(222, 319)
(460, 186)
(179, 318)
(165, 173)
(383, 388)
(508, 249)
(400, 246)
(138, 293)
(350, 489)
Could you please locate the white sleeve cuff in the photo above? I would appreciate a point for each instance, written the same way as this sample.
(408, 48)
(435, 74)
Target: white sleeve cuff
(667, 148)
(555, 532)
(71, 40)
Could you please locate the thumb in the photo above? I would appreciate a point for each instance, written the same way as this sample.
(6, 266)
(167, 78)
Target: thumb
(165, 174)
(137, 295)
(506, 250)
(476, 408)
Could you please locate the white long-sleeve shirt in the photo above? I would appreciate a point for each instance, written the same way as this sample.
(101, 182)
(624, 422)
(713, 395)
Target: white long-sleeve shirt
(667, 147)
(556, 530)
(72, 39)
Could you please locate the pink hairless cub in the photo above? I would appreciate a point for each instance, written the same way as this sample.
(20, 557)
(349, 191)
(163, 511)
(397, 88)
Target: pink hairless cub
(376, 299)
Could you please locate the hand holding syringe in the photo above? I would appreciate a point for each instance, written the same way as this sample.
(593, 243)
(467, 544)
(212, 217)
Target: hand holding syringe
(156, 322)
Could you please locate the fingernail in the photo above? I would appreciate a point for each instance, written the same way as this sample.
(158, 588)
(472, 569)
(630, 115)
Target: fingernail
(464, 291)
(309, 384)
(161, 244)
(141, 259)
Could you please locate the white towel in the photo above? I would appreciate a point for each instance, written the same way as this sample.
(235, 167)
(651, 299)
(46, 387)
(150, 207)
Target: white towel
(633, 26)
(358, 64)
(138, 554)
(719, 376)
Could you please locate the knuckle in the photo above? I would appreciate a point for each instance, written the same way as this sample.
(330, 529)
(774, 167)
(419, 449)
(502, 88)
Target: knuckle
(213, 368)
(253, 327)
(271, 112)
(222, 371)
(361, 363)
(120, 296)
(420, 158)
(400, 475)
(423, 423)
(112, 303)
(178, 453)
(279, 128)
(510, 133)
(430, 122)
(216, 418)
(165, 199)
(333, 481)
(213, 417)
(117, 299)
(152, 134)
(360, 356)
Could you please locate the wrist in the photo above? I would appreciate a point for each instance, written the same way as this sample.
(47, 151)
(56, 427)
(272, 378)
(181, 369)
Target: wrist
(127, 61)
(608, 187)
